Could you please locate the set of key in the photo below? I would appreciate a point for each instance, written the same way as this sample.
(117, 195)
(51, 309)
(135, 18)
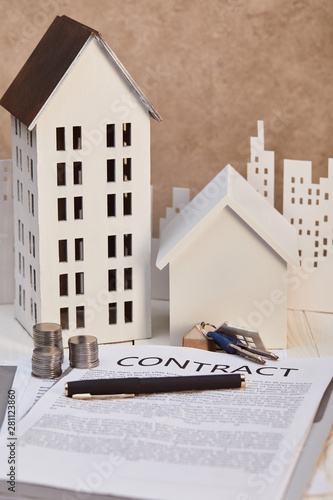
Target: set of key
(238, 340)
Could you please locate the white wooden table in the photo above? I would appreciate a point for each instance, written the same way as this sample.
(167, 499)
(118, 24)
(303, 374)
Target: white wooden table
(309, 335)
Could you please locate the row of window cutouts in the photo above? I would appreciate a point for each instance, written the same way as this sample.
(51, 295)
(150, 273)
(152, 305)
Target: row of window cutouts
(18, 131)
(33, 305)
(32, 240)
(31, 198)
(110, 171)
(110, 136)
(30, 163)
(113, 282)
(113, 313)
(293, 200)
(79, 247)
(300, 221)
(78, 206)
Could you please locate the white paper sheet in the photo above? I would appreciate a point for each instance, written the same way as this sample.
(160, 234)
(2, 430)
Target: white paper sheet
(237, 444)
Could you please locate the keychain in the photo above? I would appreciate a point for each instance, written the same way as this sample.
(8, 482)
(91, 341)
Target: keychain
(238, 340)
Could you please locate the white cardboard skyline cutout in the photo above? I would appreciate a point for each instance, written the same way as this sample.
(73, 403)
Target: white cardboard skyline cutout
(227, 252)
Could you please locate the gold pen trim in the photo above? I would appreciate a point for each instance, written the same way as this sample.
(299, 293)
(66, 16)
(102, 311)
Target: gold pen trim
(243, 382)
(93, 397)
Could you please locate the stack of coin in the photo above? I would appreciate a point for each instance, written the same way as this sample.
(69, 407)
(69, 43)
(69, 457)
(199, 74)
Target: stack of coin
(83, 351)
(48, 335)
(46, 362)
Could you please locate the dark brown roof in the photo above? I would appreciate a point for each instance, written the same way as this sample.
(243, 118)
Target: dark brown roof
(47, 65)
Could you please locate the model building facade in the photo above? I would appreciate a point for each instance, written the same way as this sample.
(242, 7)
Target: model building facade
(81, 173)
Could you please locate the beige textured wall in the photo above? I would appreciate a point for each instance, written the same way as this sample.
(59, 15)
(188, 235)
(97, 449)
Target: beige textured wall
(212, 68)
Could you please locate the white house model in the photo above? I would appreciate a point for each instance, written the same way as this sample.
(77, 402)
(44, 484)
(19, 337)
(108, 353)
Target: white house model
(6, 233)
(81, 174)
(228, 251)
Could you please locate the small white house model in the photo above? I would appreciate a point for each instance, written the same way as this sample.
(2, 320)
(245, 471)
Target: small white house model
(228, 251)
(81, 174)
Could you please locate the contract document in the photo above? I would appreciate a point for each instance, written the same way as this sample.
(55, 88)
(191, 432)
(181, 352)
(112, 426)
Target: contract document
(236, 444)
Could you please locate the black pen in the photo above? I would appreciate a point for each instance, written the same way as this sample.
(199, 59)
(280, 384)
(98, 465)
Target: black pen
(132, 386)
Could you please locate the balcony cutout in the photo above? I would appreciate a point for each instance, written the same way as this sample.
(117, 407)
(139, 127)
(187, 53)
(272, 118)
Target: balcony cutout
(62, 244)
(61, 174)
(127, 245)
(63, 285)
(127, 169)
(112, 246)
(127, 201)
(79, 283)
(112, 313)
(78, 207)
(62, 209)
(77, 140)
(79, 316)
(110, 135)
(128, 279)
(111, 205)
(128, 312)
(112, 280)
(127, 134)
(64, 318)
(78, 248)
(60, 138)
(111, 170)
(77, 172)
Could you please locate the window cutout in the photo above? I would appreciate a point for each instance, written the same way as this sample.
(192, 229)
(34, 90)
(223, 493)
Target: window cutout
(300, 221)
(77, 140)
(32, 170)
(30, 268)
(325, 241)
(315, 264)
(77, 172)
(126, 134)
(32, 205)
(62, 244)
(63, 284)
(78, 207)
(127, 199)
(293, 179)
(309, 201)
(265, 182)
(266, 171)
(325, 253)
(112, 280)
(35, 308)
(325, 218)
(292, 200)
(301, 201)
(300, 231)
(265, 193)
(112, 246)
(127, 169)
(78, 248)
(79, 316)
(62, 209)
(128, 312)
(127, 245)
(64, 318)
(33, 246)
(31, 309)
(318, 192)
(29, 241)
(128, 281)
(60, 133)
(79, 283)
(61, 174)
(257, 170)
(110, 135)
(327, 196)
(112, 313)
(111, 202)
(291, 221)
(309, 191)
(111, 170)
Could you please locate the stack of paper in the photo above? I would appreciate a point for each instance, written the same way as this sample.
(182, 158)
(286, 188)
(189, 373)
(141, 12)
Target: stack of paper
(239, 444)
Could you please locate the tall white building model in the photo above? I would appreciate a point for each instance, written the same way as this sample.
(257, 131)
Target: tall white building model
(81, 174)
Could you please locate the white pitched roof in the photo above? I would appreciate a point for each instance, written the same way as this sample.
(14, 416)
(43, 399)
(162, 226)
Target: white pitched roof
(230, 189)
